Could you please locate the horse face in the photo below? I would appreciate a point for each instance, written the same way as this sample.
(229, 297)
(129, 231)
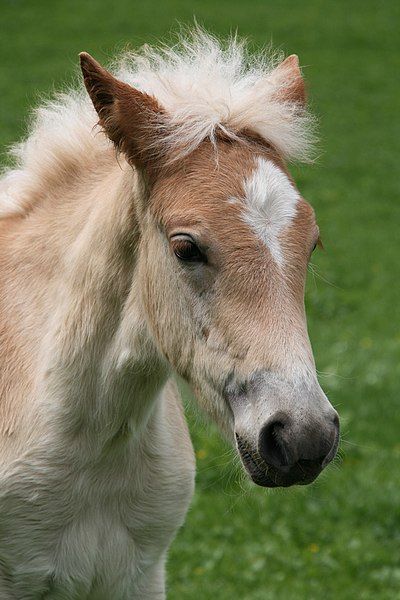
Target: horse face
(225, 248)
(225, 239)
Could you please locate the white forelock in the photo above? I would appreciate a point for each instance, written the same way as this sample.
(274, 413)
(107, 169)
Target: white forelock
(203, 85)
(206, 86)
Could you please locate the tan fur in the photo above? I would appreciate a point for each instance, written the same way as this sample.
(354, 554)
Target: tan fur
(194, 197)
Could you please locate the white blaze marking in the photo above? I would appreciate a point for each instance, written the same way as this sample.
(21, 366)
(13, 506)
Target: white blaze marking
(270, 204)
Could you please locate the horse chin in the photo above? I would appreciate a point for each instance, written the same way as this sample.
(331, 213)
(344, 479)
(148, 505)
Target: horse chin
(271, 479)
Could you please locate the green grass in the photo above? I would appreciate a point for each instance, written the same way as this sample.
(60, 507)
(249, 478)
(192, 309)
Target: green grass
(339, 538)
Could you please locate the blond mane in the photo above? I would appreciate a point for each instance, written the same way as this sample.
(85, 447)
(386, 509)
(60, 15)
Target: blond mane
(205, 86)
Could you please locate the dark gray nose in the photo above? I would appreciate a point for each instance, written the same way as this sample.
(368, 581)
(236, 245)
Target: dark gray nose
(292, 448)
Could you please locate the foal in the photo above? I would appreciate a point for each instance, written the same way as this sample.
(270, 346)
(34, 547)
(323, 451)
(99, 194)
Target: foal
(176, 242)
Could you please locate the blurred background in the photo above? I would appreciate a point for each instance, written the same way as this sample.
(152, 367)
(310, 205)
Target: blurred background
(340, 537)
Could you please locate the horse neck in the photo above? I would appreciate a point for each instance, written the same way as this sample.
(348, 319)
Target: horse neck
(99, 369)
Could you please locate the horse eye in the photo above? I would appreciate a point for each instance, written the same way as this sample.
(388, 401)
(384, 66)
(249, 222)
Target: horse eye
(319, 244)
(186, 250)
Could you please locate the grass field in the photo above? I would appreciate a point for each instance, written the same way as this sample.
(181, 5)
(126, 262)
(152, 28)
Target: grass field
(339, 538)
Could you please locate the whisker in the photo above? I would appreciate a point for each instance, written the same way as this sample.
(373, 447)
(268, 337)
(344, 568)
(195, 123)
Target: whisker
(314, 270)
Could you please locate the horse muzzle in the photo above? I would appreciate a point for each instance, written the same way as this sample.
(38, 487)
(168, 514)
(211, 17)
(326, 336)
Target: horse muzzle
(287, 454)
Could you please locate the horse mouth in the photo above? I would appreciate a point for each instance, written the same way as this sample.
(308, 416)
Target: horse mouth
(265, 475)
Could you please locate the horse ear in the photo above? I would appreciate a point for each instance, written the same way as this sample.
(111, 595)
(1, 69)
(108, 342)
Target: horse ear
(130, 117)
(292, 83)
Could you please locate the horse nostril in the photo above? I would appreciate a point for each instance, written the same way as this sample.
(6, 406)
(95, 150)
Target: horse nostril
(335, 421)
(271, 443)
(334, 442)
(298, 448)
